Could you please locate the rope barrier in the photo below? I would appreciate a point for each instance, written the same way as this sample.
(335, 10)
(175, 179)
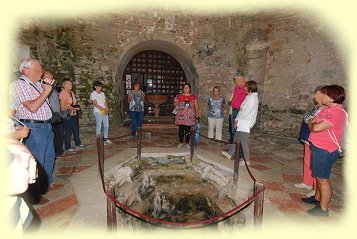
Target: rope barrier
(155, 221)
(226, 142)
(203, 136)
(224, 216)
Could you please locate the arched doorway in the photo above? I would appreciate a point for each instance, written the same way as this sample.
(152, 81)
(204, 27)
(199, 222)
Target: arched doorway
(157, 72)
(166, 48)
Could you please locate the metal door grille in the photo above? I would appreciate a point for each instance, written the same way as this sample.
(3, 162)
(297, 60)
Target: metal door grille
(157, 72)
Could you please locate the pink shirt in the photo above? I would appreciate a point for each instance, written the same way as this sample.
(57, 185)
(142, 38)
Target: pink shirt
(238, 97)
(335, 116)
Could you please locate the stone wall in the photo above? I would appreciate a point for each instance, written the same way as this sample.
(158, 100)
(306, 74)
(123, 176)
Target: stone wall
(300, 57)
(288, 55)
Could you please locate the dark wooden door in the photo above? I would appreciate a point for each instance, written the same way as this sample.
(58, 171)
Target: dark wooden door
(157, 72)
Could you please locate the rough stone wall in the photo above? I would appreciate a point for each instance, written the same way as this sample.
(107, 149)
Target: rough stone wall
(286, 55)
(301, 56)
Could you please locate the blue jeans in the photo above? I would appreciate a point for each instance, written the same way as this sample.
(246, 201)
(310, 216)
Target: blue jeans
(99, 119)
(71, 126)
(136, 121)
(231, 122)
(322, 161)
(40, 143)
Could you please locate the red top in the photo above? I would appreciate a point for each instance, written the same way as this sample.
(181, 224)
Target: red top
(238, 97)
(185, 110)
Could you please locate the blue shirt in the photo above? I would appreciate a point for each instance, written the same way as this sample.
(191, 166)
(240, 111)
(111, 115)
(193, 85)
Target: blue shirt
(136, 103)
(216, 107)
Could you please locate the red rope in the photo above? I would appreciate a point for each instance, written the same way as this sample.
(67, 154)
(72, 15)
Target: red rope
(129, 210)
(207, 221)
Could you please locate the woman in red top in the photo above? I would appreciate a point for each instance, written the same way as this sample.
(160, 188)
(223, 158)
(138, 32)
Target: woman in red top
(187, 112)
(326, 137)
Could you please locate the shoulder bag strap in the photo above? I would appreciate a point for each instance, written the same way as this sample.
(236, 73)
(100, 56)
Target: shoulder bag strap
(46, 100)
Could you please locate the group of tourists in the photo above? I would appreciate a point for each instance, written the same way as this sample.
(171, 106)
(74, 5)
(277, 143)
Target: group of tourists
(42, 118)
(46, 117)
(322, 129)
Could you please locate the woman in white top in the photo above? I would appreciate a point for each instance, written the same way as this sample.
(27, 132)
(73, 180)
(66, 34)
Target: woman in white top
(245, 120)
(100, 110)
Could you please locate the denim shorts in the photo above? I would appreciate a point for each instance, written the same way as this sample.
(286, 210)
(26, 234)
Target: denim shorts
(322, 161)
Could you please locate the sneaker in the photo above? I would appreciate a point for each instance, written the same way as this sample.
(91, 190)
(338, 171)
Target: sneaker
(311, 193)
(81, 146)
(71, 150)
(60, 155)
(242, 163)
(179, 145)
(303, 185)
(226, 154)
(187, 146)
(310, 200)
(318, 212)
(106, 142)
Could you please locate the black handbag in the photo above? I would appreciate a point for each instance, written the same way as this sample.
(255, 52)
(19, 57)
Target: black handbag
(304, 132)
(56, 118)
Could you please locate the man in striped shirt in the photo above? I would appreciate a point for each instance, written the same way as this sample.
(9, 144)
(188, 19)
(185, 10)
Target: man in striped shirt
(30, 94)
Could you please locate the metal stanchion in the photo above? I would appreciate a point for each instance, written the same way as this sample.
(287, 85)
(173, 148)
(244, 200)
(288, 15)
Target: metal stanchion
(138, 141)
(258, 203)
(100, 149)
(236, 162)
(192, 143)
(111, 209)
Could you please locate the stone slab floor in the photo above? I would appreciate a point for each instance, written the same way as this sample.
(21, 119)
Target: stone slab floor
(275, 160)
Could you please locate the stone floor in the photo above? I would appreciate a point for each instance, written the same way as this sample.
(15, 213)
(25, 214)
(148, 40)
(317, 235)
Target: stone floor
(275, 160)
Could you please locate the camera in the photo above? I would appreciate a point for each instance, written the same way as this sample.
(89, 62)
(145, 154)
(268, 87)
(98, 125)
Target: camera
(76, 106)
(44, 82)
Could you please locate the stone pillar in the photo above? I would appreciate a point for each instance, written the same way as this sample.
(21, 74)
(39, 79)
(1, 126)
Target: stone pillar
(256, 55)
(256, 58)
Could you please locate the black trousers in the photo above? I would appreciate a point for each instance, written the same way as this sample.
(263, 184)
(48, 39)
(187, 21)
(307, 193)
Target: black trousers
(184, 130)
(58, 137)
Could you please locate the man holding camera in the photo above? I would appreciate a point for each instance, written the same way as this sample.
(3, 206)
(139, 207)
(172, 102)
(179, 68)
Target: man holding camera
(32, 107)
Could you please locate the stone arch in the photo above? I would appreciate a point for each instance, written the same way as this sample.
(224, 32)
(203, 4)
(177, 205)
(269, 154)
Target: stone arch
(159, 45)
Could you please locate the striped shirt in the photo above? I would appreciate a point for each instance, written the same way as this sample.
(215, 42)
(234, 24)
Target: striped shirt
(23, 90)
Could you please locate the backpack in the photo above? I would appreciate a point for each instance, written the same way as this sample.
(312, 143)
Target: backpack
(345, 138)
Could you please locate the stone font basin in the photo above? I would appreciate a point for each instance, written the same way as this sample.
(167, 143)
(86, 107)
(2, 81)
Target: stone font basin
(156, 100)
(166, 188)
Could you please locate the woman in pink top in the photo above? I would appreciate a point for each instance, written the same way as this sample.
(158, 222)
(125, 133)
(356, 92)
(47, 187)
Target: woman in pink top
(68, 101)
(325, 139)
